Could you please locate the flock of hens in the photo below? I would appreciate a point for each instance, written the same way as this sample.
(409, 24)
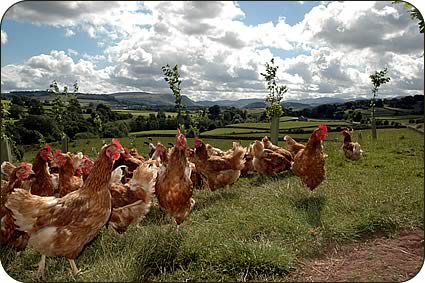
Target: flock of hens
(59, 203)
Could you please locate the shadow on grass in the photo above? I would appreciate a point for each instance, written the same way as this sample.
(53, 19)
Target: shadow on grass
(312, 205)
(259, 180)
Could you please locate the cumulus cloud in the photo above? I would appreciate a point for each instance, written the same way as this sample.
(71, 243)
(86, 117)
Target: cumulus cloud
(220, 56)
(69, 32)
(72, 52)
(38, 71)
(3, 37)
(107, 18)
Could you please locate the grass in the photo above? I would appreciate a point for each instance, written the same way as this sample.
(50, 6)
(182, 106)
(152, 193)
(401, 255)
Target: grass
(290, 124)
(259, 228)
(145, 113)
(232, 131)
(153, 132)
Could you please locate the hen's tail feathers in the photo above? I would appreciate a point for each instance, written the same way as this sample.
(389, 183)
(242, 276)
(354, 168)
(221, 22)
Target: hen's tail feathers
(289, 140)
(26, 208)
(357, 149)
(117, 175)
(7, 168)
(146, 176)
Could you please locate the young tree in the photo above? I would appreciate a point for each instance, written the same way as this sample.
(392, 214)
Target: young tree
(378, 79)
(274, 109)
(172, 77)
(59, 107)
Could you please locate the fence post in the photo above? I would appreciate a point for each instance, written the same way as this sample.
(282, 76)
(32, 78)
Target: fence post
(6, 153)
(64, 145)
(274, 131)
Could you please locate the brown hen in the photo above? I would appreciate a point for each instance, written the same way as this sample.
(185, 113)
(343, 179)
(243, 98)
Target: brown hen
(267, 162)
(63, 226)
(173, 186)
(9, 233)
(309, 163)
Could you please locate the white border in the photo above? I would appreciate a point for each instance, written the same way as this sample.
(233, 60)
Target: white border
(5, 278)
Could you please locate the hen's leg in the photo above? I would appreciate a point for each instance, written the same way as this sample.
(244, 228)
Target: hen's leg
(41, 267)
(74, 268)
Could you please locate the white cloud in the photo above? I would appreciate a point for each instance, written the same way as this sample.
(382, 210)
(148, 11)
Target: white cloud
(69, 32)
(220, 56)
(39, 71)
(3, 37)
(72, 52)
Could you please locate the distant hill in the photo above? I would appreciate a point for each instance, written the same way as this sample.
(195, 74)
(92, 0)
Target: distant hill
(151, 99)
(167, 100)
(240, 103)
(319, 101)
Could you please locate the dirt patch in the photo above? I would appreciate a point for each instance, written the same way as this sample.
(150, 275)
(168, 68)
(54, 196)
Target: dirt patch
(374, 259)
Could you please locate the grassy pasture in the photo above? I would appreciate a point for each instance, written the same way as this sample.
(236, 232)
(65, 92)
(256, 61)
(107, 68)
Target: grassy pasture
(153, 132)
(259, 228)
(143, 112)
(232, 131)
(291, 124)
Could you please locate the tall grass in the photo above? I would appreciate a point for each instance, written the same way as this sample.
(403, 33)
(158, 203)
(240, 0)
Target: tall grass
(259, 228)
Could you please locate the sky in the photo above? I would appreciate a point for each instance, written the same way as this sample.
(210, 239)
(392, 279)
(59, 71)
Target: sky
(322, 48)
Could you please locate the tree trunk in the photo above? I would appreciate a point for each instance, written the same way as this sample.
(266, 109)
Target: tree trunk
(64, 143)
(373, 122)
(6, 153)
(274, 130)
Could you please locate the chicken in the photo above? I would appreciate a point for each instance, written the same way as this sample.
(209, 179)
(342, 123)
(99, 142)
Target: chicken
(214, 150)
(131, 162)
(4, 184)
(248, 167)
(132, 201)
(267, 162)
(118, 174)
(352, 150)
(268, 145)
(43, 184)
(7, 169)
(63, 226)
(309, 163)
(67, 166)
(292, 146)
(85, 167)
(9, 233)
(173, 186)
(217, 171)
(151, 148)
(161, 154)
(195, 175)
(134, 153)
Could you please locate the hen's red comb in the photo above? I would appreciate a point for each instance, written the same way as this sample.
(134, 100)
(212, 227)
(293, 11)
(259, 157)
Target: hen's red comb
(25, 166)
(324, 128)
(49, 149)
(57, 153)
(117, 143)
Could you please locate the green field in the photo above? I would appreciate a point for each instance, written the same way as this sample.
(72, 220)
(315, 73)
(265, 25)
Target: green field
(260, 228)
(143, 112)
(232, 131)
(291, 124)
(156, 132)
